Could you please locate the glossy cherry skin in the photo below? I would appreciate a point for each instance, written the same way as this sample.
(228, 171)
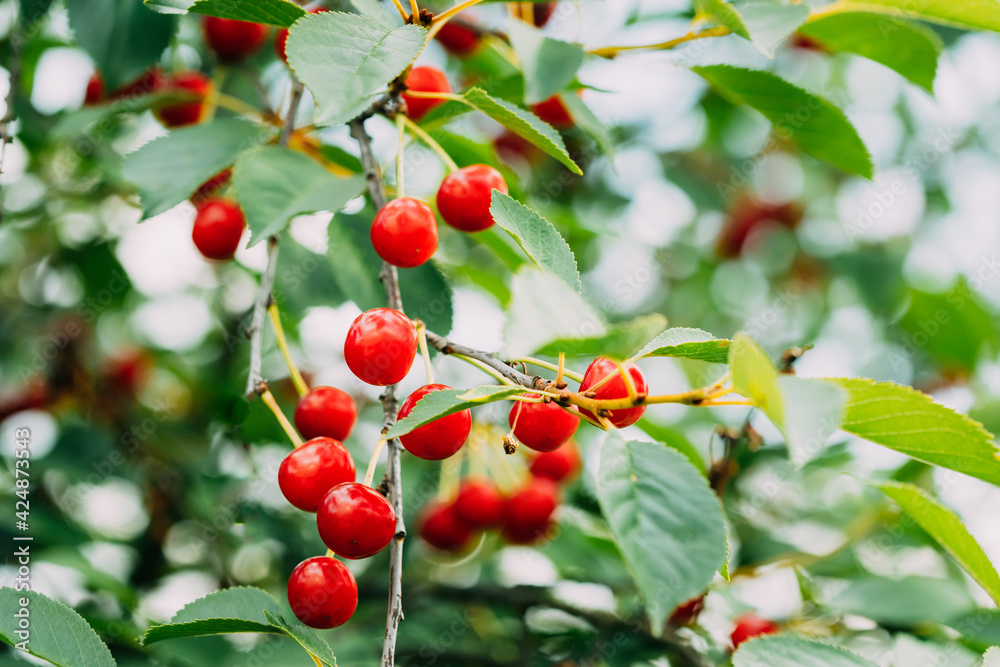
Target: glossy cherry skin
(405, 233)
(326, 411)
(218, 227)
(554, 112)
(440, 438)
(149, 81)
(211, 188)
(381, 345)
(687, 613)
(750, 626)
(189, 112)
(355, 521)
(543, 427)
(615, 388)
(457, 39)
(424, 80)
(310, 471)
(282, 36)
(529, 512)
(559, 465)
(95, 90)
(465, 195)
(441, 527)
(231, 39)
(322, 592)
(479, 504)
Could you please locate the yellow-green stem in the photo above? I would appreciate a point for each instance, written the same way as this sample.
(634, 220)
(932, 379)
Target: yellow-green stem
(286, 425)
(373, 462)
(422, 134)
(279, 333)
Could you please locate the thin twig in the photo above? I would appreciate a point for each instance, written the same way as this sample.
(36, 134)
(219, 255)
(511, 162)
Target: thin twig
(441, 344)
(293, 108)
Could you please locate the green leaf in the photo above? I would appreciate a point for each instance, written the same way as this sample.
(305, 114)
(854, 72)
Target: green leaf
(969, 14)
(240, 602)
(953, 328)
(169, 6)
(790, 651)
(723, 13)
(908, 421)
(274, 184)
(427, 296)
(675, 439)
(755, 377)
(449, 401)
(123, 38)
(307, 638)
(355, 262)
(168, 170)
(346, 59)
(687, 343)
(770, 23)
(523, 124)
(904, 602)
(948, 530)
(992, 657)
(281, 13)
(549, 65)
(814, 410)
(57, 633)
(537, 237)
(34, 11)
(909, 48)
(589, 123)
(618, 341)
(817, 126)
(665, 519)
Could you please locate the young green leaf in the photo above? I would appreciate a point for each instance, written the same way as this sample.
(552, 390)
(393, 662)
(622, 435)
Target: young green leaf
(589, 123)
(449, 401)
(948, 530)
(975, 15)
(281, 13)
(790, 651)
(274, 184)
(687, 343)
(817, 126)
(665, 519)
(904, 601)
(756, 378)
(168, 170)
(723, 13)
(523, 124)
(619, 341)
(907, 47)
(57, 633)
(908, 421)
(346, 59)
(537, 237)
(770, 23)
(549, 65)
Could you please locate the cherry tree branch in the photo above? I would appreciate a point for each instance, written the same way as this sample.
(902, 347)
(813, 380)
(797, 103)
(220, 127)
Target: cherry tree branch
(442, 345)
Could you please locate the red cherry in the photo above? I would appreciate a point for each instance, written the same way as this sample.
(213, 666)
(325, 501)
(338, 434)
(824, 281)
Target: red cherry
(529, 512)
(512, 147)
(231, 39)
(464, 197)
(95, 90)
(189, 112)
(480, 504)
(282, 37)
(600, 368)
(750, 626)
(211, 188)
(326, 411)
(558, 465)
(149, 81)
(355, 521)
(127, 371)
(543, 427)
(424, 80)
(441, 527)
(380, 347)
(322, 592)
(541, 12)
(440, 438)
(218, 227)
(457, 39)
(554, 112)
(404, 232)
(687, 613)
(310, 471)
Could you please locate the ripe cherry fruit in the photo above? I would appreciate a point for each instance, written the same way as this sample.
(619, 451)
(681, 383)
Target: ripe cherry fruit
(218, 227)
(558, 465)
(543, 427)
(355, 521)
(310, 471)
(615, 387)
(458, 39)
(188, 112)
(326, 411)
(529, 512)
(322, 592)
(211, 188)
(554, 112)
(441, 527)
(541, 12)
(231, 39)
(381, 345)
(95, 90)
(424, 80)
(149, 81)
(750, 626)
(479, 504)
(465, 195)
(404, 232)
(440, 438)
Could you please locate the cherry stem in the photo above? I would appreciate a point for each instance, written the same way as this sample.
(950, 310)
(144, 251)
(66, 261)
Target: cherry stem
(268, 398)
(629, 383)
(279, 333)
(447, 14)
(422, 134)
(373, 462)
(486, 369)
(237, 105)
(399, 8)
(612, 51)
(415, 10)
(560, 368)
(400, 167)
(315, 659)
(424, 352)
